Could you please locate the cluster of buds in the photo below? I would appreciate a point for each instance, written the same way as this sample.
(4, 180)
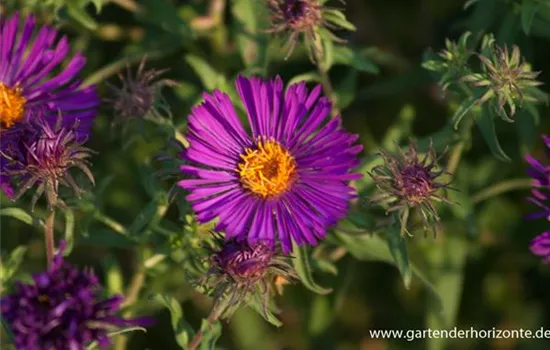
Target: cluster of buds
(406, 182)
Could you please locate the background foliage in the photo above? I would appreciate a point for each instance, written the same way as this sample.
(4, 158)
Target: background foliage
(477, 272)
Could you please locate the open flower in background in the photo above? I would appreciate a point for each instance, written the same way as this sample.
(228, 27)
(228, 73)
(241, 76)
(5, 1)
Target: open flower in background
(288, 181)
(540, 196)
(408, 181)
(29, 88)
(62, 309)
(44, 156)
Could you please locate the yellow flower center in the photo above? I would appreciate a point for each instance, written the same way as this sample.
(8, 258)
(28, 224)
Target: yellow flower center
(12, 106)
(268, 169)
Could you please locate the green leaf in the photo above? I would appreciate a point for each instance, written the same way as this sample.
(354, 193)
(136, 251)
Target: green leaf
(78, 13)
(486, 125)
(527, 122)
(113, 334)
(108, 238)
(373, 248)
(143, 219)
(211, 333)
(252, 46)
(165, 15)
(338, 18)
(398, 249)
(18, 214)
(347, 56)
(307, 77)
(9, 268)
(346, 89)
(69, 231)
(465, 107)
(182, 329)
(209, 77)
(303, 268)
(528, 11)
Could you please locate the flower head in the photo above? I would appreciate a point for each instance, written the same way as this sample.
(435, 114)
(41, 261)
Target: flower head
(139, 96)
(28, 88)
(507, 79)
(306, 18)
(62, 309)
(43, 156)
(405, 182)
(245, 273)
(286, 182)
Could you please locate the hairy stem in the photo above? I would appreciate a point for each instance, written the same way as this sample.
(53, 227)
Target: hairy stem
(111, 223)
(49, 238)
(214, 315)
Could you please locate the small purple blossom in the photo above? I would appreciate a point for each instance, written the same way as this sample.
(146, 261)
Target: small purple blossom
(43, 156)
(406, 182)
(29, 89)
(288, 181)
(62, 309)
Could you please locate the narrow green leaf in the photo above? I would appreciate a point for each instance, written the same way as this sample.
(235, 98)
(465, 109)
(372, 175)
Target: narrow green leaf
(303, 268)
(486, 125)
(113, 334)
(18, 214)
(252, 46)
(165, 15)
(79, 13)
(462, 110)
(144, 217)
(307, 77)
(10, 266)
(347, 56)
(347, 89)
(182, 329)
(398, 249)
(69, 231)
(209, 77)
(528, 11)
(338, 18)
(527, 128)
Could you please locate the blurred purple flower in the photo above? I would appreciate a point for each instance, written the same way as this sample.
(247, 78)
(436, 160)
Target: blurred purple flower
(540, 246)
(43, 156)
(286, 182)
(62, 309)
(27, 91)
(540, 195)
(541, 184)
(405, 181)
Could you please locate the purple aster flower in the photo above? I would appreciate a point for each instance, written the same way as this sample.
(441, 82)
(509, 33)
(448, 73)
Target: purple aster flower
(245, 273)
(288, 181)
(43, 156)
(405, 182)
(62, 309)
(29, 89)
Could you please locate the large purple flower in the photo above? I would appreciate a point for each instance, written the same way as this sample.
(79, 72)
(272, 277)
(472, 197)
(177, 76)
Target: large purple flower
(540, 196)
(29, 88)
(288, 181)
(62, 309)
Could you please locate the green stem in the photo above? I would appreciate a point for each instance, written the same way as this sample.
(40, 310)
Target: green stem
(214, 315)
(325, 81)
(501, 187)
(135, 287)
(49, 237)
